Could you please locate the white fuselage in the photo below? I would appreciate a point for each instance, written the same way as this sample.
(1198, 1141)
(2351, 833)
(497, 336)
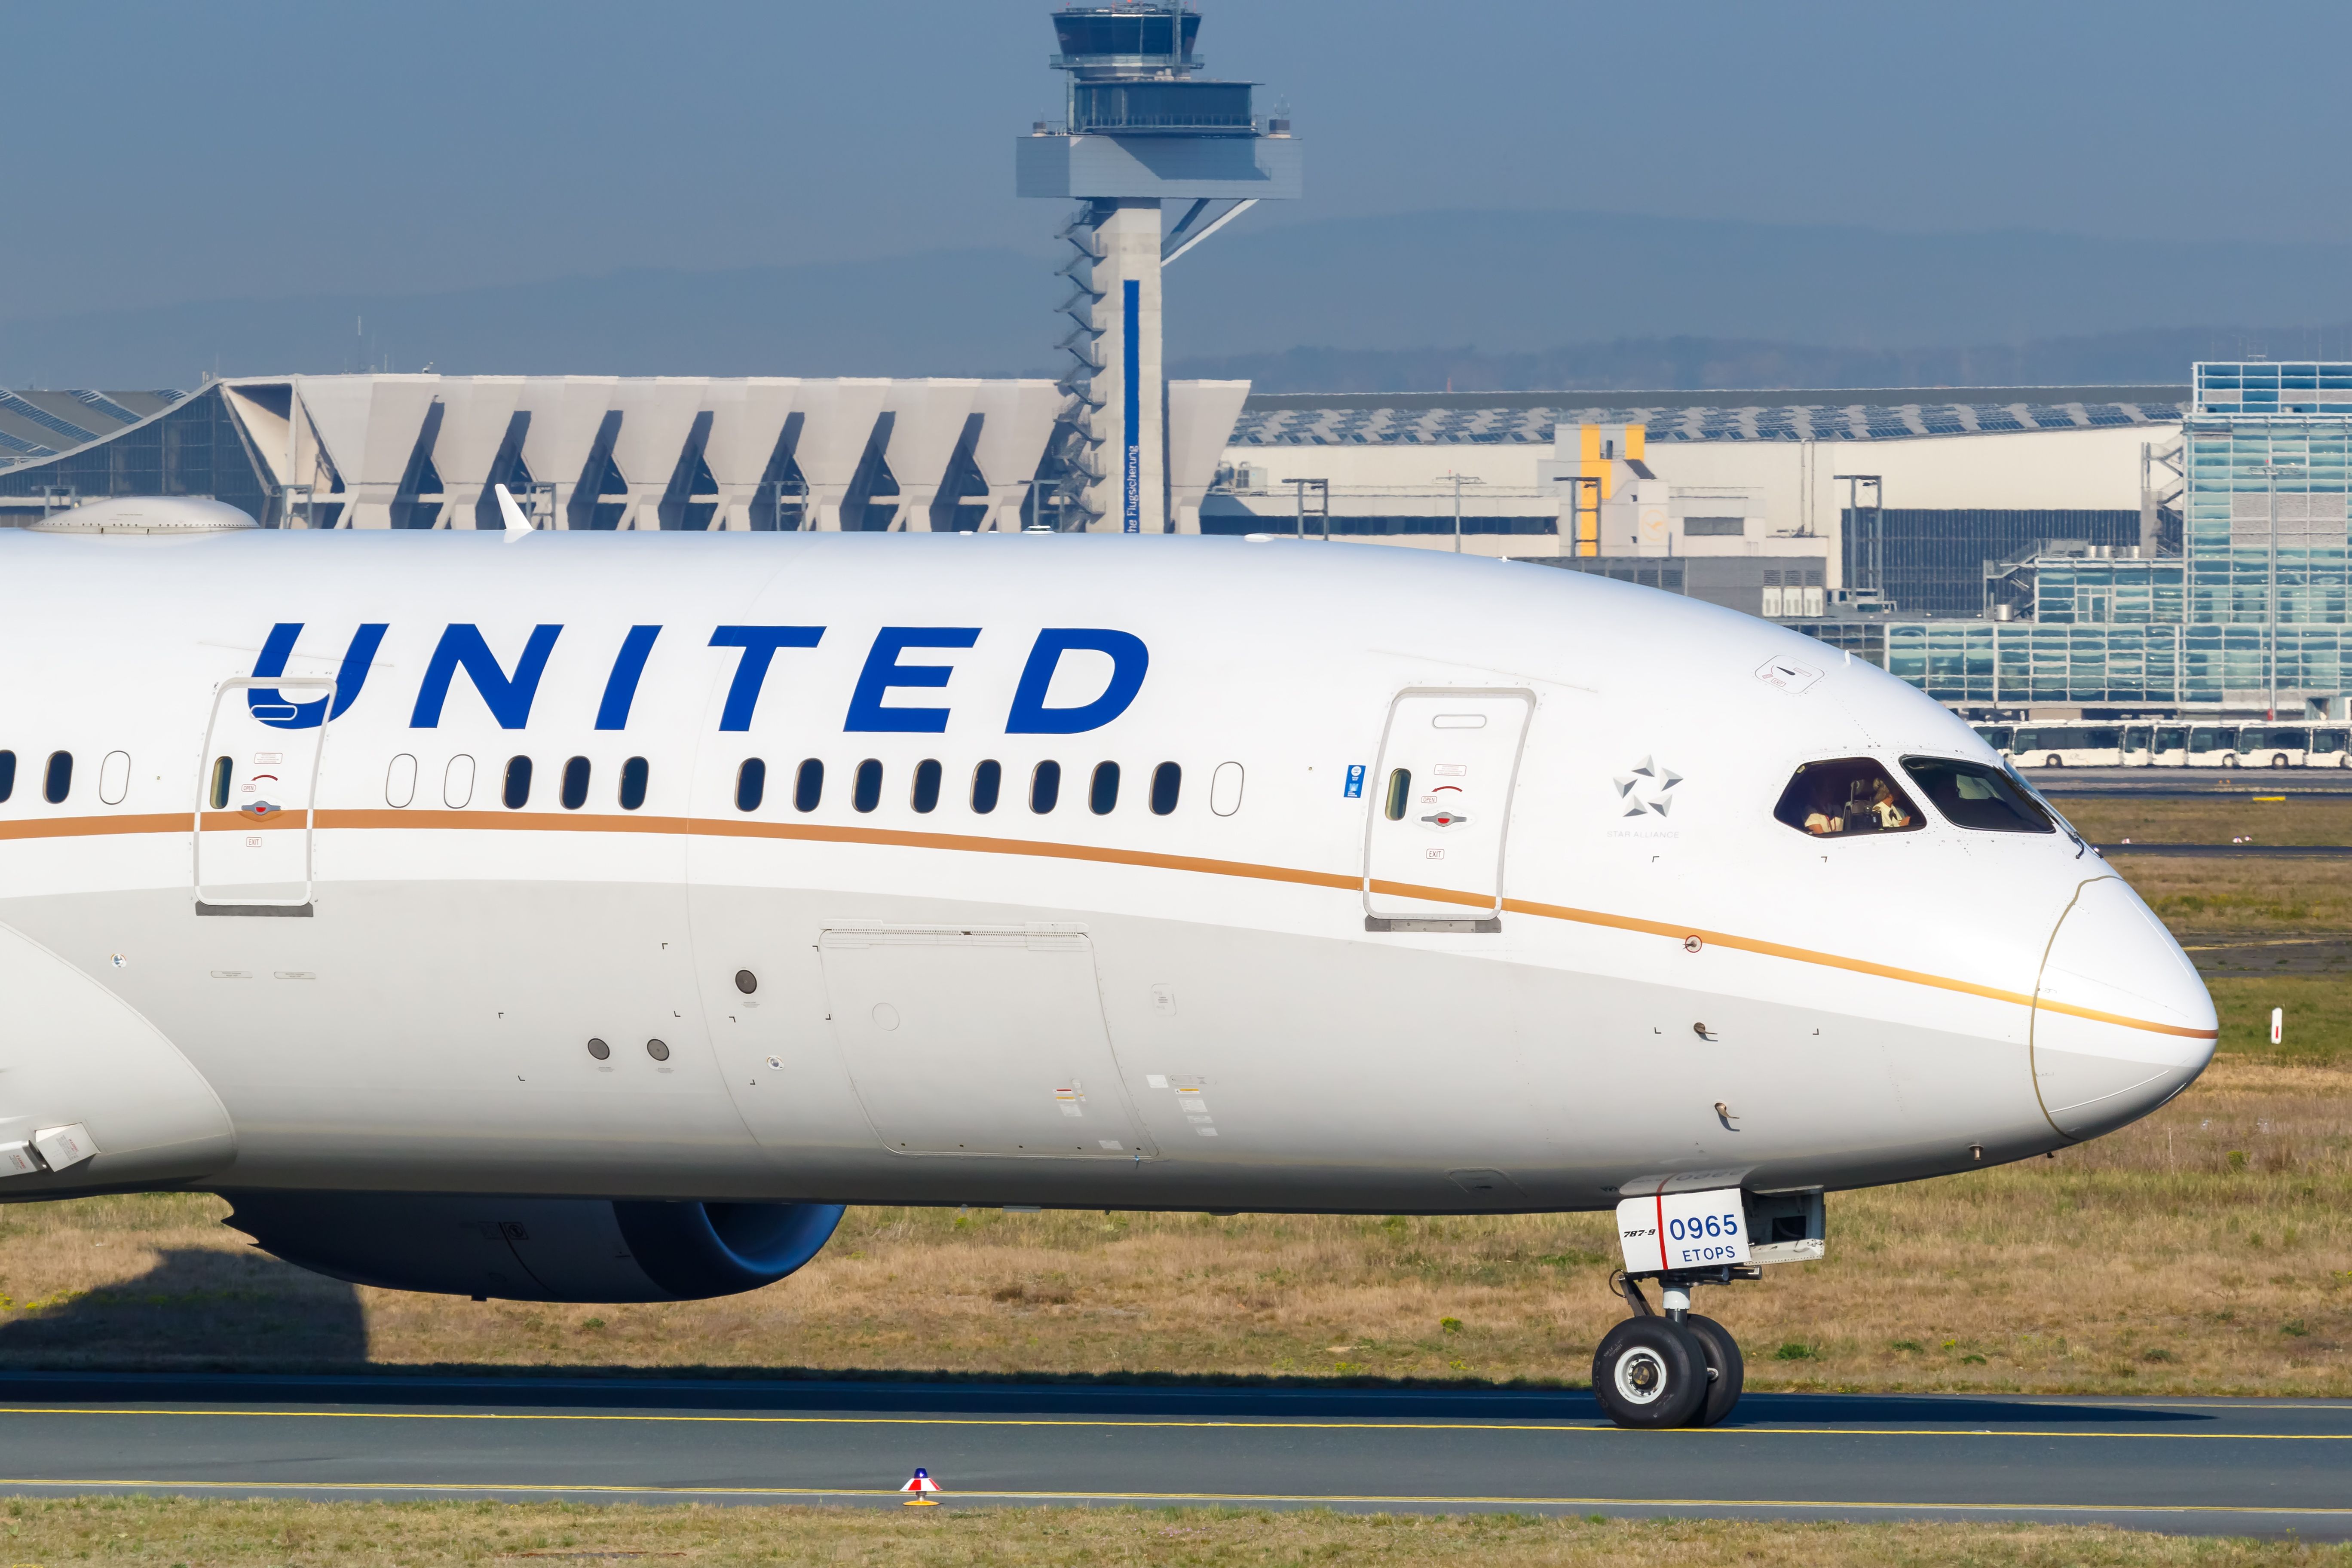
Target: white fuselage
(1609, 963)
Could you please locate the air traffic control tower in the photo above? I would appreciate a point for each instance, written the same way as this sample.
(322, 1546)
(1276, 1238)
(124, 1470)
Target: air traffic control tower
(1142, 131)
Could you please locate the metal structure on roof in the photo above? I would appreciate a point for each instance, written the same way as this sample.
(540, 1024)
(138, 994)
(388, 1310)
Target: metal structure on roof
(41, 424)
(1336, 426)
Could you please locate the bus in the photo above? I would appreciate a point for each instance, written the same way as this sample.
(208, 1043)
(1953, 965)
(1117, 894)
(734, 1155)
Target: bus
(2212, 746)
(2272, 745)
(2068, 745)
(2330, 748)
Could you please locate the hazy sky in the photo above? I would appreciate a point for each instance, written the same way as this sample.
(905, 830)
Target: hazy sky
(160, 152)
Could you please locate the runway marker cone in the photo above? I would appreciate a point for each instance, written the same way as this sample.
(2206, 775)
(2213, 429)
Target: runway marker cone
(922, 1486)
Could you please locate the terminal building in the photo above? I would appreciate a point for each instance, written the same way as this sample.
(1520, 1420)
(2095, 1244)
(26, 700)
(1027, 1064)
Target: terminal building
(2059, 553)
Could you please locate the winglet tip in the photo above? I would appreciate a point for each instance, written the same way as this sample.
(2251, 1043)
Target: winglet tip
(511, 514)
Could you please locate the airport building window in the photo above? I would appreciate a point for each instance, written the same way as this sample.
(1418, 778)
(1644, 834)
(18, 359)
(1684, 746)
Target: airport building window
(866, 793)
(987, 780)
(1847, 796)
(7, 775)
(752, 783)
(516, 793)
(808, 785)
(1102, 796)
(575, 784)
(1045, 787)
(633, 783)
(1970, 794)
(59, 781)
(925, 796)
(1167, 784)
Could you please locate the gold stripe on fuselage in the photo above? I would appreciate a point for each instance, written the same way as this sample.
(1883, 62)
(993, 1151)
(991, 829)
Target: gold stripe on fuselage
(386, 818)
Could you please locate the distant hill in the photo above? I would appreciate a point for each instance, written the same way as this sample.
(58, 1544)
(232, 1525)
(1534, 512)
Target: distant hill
(1328, 303)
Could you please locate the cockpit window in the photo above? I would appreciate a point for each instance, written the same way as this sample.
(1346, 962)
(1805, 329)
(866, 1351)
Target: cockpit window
(1848, 795)
(1970, 794)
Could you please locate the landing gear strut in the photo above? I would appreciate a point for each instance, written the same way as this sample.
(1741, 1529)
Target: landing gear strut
(1675, 1370)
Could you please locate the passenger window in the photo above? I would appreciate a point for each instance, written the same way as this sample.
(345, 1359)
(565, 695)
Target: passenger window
(633, 783)
(986, 780)
(575, 784)
(1044, 787)
(7, 775)
(1840, 799)
(926, 795)
(114, 777)
(1102, 797)
(1399, 793)
(1225, 789)
(750, 785)
(1971, 795)
(58, 784)
(808, 786)
(457, 782)
(866, 793)
(222, 770)
(1167, 784)
(516, 793)
(400, 780)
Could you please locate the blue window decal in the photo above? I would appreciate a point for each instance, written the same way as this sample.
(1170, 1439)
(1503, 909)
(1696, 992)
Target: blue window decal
(273, 709)
(884, 671)
(1030, 716)
(1355, 781)
(509, 698)
(759, 644)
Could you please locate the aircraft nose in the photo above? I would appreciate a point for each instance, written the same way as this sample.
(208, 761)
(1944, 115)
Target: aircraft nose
(2121, 1022)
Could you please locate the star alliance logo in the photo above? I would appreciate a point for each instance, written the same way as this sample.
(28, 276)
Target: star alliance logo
(1648, 788)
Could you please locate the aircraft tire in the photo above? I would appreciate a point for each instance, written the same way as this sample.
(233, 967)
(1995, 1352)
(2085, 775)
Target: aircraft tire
(1729, 1367)
(1649, 1373)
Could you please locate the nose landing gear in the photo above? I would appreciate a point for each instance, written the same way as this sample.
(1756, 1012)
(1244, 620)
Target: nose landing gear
(1677, 1370)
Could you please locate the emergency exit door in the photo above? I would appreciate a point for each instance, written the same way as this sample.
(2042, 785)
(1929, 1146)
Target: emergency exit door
(254, 795)
(1441, 806)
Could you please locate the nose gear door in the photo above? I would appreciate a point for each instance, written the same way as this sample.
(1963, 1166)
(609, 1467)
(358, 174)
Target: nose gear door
(1434, 847)
(254, 792)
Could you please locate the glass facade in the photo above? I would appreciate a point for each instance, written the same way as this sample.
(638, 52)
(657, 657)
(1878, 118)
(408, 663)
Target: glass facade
(2069, 591)
(2253, 613)
(1932, 560)
(195, 448)
(1131, 108)
(2259, 386)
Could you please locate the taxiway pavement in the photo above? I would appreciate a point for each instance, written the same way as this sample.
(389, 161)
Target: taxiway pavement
(2206, 1466)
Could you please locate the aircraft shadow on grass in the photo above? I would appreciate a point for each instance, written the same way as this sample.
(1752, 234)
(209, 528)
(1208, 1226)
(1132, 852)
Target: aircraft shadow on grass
(223, 1327)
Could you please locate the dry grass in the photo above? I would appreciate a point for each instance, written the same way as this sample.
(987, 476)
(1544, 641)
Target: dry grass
(2298, 820)
(157, 1531)
(2257, 897)
(2208, 1249)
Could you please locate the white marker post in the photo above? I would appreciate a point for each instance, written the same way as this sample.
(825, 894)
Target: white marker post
(2278, 1024)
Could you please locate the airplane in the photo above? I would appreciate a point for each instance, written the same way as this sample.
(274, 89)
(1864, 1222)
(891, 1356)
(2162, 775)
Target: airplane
(577, 917)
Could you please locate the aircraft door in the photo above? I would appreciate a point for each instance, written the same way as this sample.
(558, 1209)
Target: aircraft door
(978, 1040)
(253, 793)
(1441, 805)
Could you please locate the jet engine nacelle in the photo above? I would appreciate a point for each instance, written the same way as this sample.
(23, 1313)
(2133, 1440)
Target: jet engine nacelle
(537, 1249)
